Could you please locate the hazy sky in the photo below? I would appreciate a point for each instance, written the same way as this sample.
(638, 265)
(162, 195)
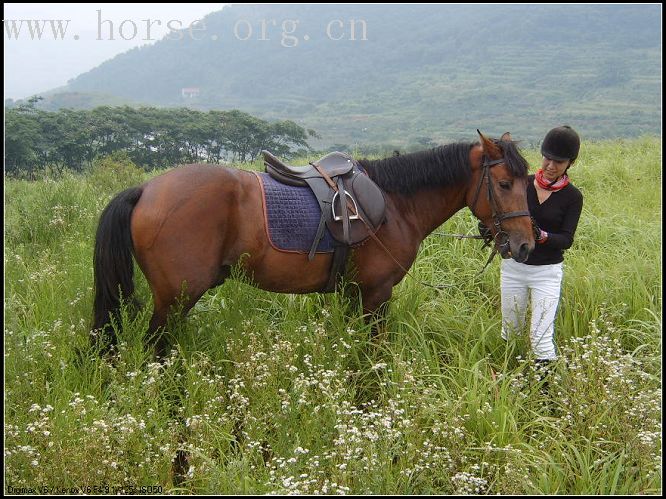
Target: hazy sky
(35, 65)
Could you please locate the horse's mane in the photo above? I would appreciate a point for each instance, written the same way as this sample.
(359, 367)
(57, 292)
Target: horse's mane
(514, 160)
(438, 167)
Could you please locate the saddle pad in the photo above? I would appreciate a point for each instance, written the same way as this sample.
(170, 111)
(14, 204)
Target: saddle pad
(292, 217)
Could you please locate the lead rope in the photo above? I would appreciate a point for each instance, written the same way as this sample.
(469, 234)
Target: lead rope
(486, 174)
(471, 236)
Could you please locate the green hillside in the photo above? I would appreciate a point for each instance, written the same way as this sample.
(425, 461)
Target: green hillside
(422, 71)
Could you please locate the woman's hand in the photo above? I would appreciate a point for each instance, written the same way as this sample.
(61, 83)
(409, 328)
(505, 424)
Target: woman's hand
(540, 235)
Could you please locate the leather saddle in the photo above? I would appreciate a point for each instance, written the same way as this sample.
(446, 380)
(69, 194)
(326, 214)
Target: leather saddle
(352, 206)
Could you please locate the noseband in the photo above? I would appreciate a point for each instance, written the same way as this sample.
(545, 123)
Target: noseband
(497, 217)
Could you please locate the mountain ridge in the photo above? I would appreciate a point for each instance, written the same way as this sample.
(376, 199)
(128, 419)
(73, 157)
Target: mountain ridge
(436, 71)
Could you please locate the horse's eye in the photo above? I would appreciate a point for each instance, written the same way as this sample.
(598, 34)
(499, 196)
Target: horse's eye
(505, 184)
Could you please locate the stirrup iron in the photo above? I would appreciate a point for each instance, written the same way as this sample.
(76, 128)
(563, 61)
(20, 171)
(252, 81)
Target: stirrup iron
(337, 217)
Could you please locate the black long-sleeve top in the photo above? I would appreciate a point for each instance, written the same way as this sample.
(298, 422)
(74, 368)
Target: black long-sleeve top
(558, 215)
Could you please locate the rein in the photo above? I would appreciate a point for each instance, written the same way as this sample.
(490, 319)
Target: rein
(468, 236)
(354, 212)
(497, 216)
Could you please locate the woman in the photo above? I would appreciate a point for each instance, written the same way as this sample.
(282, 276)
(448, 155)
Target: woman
(555, 205)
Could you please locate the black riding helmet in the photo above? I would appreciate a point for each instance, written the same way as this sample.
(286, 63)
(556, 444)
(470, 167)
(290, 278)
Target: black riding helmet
(561, 143)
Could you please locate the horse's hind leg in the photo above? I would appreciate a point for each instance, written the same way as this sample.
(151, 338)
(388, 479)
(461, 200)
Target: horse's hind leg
(155, 334)
(173, 301)
(173, 307)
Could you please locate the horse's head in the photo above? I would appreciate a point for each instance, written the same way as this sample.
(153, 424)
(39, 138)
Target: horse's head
(498, 195)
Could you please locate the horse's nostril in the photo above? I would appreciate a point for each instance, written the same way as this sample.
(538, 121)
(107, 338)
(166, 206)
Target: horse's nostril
(524, 251)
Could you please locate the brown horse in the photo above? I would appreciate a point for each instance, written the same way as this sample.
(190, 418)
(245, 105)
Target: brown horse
(188, 227)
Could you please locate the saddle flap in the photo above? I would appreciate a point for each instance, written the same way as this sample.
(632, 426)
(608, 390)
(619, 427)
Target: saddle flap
(370, 198)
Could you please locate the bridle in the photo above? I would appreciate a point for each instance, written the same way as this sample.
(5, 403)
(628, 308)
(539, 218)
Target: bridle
(501, 238)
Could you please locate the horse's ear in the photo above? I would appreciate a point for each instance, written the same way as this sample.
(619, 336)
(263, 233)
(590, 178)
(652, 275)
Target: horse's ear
(506, 137)
(489, 147)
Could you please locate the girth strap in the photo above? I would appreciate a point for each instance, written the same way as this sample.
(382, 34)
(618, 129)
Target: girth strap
(338, 266)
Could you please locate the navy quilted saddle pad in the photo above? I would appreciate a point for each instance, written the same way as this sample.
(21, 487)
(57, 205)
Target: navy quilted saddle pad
(292, 217)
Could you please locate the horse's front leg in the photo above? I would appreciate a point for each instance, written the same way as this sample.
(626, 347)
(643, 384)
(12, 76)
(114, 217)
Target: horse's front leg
(375, 306)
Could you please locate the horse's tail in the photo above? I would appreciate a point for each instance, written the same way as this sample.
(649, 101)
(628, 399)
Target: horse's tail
(113, 264)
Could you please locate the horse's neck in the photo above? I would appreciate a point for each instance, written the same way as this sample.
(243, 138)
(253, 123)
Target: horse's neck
(430, 208)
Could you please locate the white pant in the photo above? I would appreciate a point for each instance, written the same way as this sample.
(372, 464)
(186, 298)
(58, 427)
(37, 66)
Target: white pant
(544, 283)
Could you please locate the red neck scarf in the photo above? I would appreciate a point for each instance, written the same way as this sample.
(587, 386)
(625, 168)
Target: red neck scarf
(559, 184)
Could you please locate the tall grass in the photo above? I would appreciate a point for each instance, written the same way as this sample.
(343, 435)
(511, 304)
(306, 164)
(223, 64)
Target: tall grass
(273, 393)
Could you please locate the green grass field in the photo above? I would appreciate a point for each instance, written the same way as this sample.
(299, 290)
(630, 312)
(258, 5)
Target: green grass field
(286, 394)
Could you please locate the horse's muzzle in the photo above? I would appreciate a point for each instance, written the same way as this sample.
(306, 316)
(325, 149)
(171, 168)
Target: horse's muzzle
(523, 253)
(520, 256)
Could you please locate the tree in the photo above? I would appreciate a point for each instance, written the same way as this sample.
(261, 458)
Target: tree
(151, 137)
(21, 138)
